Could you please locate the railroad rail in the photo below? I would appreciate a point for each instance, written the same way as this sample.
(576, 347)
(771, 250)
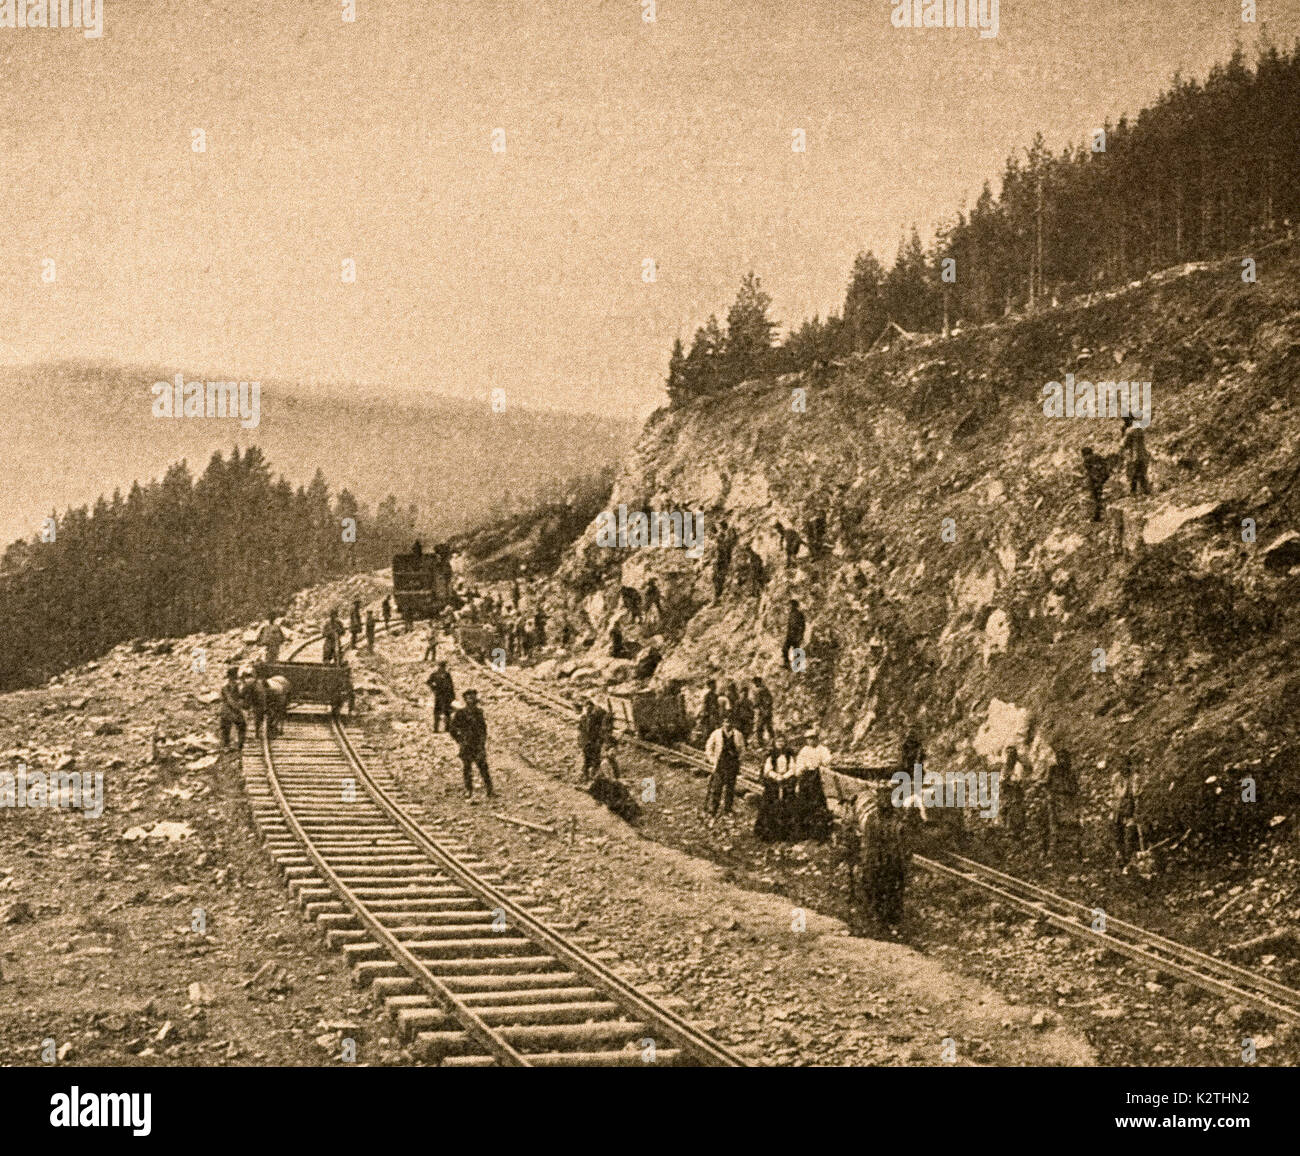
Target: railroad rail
(546, 699)
(472, 974)
(1233, 983)
(1224, 979)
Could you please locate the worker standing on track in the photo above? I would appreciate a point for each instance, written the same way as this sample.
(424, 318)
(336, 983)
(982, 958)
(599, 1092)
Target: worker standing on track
(431, 645)
(387, 608)
(370, 631)
(444, 694)
(468, 728)
(723, 752)
(230, 713)
(255, 696)
(332, 639)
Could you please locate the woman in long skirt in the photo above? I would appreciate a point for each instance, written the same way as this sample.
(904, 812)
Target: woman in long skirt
(813, 816)
(775, 811)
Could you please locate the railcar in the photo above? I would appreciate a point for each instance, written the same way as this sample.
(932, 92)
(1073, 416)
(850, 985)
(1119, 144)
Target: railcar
(317, 683)
(477, 640)
(422, 582)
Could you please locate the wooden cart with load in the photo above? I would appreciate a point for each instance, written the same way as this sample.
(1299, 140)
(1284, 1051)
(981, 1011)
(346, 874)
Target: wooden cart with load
(659, 716)
(478, 641)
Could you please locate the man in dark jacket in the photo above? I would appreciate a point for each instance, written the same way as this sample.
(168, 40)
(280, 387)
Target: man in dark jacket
(742, 712)
(255, 696)
(230, 713)
(710, 709)
(1095, 472)
(332, 633)
(354, 623)
(593, 726)
(444, 693)
(763, 710)
(468, 728)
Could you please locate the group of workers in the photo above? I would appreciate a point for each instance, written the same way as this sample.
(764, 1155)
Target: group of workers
(749, 711)
(333, 631)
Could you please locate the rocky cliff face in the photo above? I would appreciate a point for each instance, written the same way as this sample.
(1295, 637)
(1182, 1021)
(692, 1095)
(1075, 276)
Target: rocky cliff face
(963, 589)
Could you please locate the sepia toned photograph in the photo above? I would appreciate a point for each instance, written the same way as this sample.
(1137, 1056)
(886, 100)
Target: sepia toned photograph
(649, 534)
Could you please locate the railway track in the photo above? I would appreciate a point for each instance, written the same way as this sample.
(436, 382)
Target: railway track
(1226, 980)
(1234, 984)
(462, 958)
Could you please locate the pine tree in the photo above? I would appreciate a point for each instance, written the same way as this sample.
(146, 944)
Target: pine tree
(749, 333)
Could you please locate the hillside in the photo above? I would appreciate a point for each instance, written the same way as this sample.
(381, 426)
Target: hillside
(990, 638)
(79, 430)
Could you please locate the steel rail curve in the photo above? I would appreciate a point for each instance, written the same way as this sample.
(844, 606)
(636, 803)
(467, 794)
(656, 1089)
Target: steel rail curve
(564, 992)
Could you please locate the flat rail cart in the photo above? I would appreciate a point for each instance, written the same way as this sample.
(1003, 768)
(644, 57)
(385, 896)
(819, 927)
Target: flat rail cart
(315, 683)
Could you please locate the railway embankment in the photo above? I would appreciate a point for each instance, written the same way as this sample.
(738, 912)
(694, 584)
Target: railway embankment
(156, 932)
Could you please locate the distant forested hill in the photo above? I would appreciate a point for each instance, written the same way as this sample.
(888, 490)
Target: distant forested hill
(74, 431)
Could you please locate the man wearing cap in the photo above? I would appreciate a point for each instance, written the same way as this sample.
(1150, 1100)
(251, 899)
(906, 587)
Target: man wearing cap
(444, 694)
(468, 728)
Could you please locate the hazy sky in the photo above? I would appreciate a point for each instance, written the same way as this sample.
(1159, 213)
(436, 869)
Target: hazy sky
(625, 140)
